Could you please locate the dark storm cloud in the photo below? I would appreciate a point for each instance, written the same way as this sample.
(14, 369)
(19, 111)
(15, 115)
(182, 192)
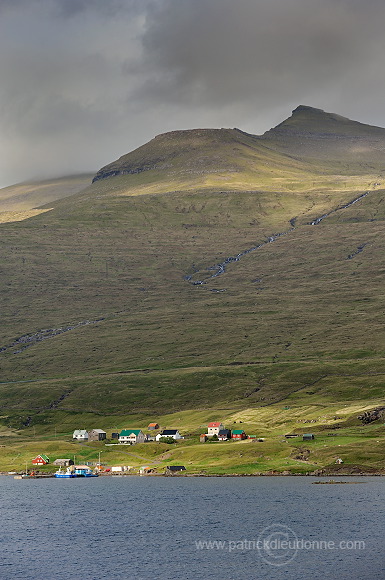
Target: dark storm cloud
(85, 81)
(268, 51)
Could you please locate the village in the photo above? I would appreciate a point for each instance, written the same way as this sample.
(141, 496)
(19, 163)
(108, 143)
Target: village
(216, 433)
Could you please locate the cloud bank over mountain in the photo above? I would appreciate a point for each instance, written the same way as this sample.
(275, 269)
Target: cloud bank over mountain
(84, 81)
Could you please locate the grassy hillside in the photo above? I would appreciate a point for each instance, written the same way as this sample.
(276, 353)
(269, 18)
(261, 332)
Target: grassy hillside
(198, 284)
(20, 201)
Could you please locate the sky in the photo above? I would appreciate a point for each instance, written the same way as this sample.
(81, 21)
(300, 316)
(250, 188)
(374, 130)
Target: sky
(83, 82)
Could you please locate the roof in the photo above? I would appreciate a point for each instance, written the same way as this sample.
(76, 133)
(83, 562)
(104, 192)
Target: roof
(44, 457)
(238, 431)
(215, 424)
(80, 432)
(128, 432)
(224, 432)
(96, 431)
(176, 468)
(169, 432)
(153, 424)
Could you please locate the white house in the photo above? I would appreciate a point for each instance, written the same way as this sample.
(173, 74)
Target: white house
(131, 436)
(214, 428)
(80, 435)
(173, 433)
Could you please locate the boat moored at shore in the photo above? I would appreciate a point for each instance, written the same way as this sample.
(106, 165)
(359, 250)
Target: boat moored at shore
(75, 471)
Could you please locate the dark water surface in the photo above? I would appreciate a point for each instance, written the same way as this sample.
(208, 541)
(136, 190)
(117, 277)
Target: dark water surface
(157, 528)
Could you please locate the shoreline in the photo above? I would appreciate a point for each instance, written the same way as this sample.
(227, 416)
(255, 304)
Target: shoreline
(267, 474)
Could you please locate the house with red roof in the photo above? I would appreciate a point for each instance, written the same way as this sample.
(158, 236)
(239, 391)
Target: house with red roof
(214, 428)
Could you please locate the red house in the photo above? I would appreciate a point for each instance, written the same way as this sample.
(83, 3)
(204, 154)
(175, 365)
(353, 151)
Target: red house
(40, 460)
(238, 434)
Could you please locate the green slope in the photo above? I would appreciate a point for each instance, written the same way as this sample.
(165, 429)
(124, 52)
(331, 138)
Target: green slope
(111, 307)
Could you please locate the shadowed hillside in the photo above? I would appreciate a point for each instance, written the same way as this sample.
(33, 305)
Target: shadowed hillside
(315, 136)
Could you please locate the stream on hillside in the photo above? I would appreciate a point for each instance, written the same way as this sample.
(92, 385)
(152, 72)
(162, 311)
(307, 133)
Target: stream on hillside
(216, 270)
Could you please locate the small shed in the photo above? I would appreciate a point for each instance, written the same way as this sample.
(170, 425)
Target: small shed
(115, 435)
(153, 426)
(307, 437)
(63, 462)
(290, 435)
(120, 468)
(203, 438)
(40, 460)
(97, 435)
(175, 468)
(145, 470)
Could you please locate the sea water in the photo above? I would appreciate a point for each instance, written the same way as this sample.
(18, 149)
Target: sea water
(167, 528)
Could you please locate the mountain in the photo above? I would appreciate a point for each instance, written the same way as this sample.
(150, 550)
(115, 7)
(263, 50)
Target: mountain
(19, 202)
(299, 145)
(313, 135)
(209, 273)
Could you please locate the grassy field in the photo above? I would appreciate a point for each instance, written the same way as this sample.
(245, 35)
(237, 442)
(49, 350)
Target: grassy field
(103, 319)
(338, 435)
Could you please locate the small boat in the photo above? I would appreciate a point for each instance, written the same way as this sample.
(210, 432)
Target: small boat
(73, 471)
(84, 472)
(25, 475)
(65, 474)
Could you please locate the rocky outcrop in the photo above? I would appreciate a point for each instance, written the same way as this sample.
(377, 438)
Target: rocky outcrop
(370, 416)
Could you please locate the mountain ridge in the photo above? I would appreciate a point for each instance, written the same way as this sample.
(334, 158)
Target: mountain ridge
(333, 137)
(309, 120)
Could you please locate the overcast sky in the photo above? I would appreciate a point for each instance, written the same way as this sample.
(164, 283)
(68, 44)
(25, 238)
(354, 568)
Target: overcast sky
(83, 82)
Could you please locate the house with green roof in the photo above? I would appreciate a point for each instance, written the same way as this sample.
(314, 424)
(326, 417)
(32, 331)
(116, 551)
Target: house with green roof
(40, 460)
(238, 434)
(131, 436)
